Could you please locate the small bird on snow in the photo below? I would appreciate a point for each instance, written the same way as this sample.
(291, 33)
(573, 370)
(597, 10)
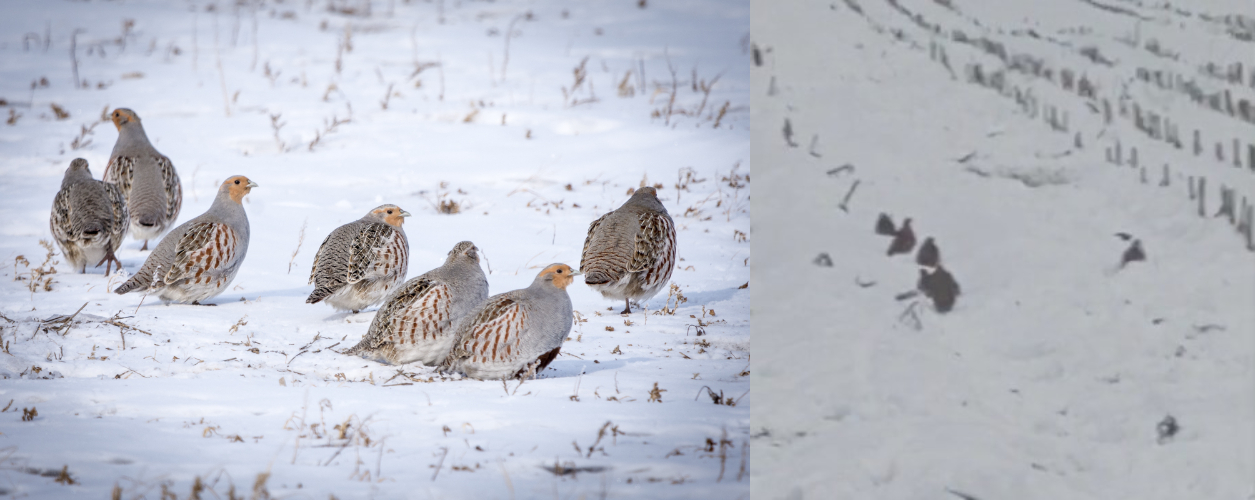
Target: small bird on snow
(884, 225)
(360, 262)
(518, 333)
(929, 255)
(940, 286)
(154, 195)
(89, 219)
(629, 253)
(198, 259)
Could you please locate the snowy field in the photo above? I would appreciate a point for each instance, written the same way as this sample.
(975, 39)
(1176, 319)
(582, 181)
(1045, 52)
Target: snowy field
(1054, 371)
(530, 119)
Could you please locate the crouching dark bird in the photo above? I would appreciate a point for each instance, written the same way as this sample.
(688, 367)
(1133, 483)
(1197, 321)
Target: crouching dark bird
(884, 225)
(929, 255)
(1133, 254)
(939, 286)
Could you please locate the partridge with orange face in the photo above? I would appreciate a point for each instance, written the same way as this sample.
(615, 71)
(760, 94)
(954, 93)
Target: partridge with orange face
(198, 259)
(148, 180)
(360, 262)
(518, 333)
(417, 321)
(629, 253)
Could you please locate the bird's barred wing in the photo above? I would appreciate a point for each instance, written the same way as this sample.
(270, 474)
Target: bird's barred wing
(654, 252)
(607, 254)
(592, 228)
(60, 221)
(204, 249)
(313, 268)
(121, 172)
(174, 188)
(493, 335)
(416, 311)
(121, 216)
(377, 251)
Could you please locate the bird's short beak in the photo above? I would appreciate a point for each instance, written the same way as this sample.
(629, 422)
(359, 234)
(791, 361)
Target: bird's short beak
(404, 213)
(252, 184)
(575, 272)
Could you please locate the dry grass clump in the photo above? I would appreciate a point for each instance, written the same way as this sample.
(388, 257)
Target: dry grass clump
(443, 202)
(674, 298)
(40, 277)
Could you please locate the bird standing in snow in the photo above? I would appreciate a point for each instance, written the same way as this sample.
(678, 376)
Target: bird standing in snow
(1133, 254)
(360, 262)
(629, 253)
(89, 219)
(148, 180)
(903, 240)
(940, 286)
(929, 255)
(198, 259)
(884, 225)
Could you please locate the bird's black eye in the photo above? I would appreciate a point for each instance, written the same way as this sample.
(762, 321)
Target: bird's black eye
(389, 212)
(237, 181)
(559, 271)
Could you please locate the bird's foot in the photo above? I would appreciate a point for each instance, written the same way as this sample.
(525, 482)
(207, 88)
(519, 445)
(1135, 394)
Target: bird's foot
(109, 261)
(145, 247)
(197, 303)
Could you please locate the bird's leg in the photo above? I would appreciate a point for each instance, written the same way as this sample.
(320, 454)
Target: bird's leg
(627, 307)
(197, 303)
(145, 246)
(108, 261)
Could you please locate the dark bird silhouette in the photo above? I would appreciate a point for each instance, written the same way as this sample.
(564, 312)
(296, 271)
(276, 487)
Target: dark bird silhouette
(929, 255)
(1124, 236)
(1167, 428)
(903, 240)
(939, 286)
(884, 225)
(1133, 254)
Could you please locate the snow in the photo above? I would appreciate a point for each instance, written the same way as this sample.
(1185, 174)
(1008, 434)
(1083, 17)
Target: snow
(1050, 377)
(255, 385)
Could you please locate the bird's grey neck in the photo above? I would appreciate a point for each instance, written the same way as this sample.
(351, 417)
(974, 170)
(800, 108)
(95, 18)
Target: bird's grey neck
(73, 176)
(133, 135)
(646, 202)
(543, 286)
(224, 204)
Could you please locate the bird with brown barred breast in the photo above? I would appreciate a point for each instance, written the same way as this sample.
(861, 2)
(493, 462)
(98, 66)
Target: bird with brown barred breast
(198, 259)
(89, 219)
(518, 333)
(148, 179)
(360, 262)
(417, 320)
(629, 253)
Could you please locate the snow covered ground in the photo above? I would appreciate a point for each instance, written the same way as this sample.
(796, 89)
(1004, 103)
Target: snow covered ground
(531, 117)
(1051, 375)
